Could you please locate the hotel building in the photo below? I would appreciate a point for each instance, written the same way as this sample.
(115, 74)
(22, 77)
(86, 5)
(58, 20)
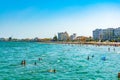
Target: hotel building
(73, 37)
(63, 36)
(106, 34)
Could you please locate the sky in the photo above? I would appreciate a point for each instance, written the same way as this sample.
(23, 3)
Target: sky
(45, 18)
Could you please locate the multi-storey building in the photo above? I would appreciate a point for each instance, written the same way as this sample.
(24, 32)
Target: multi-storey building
(117, 32)
(97, 34)
(73, 37)
(106, 34)
(63, 36)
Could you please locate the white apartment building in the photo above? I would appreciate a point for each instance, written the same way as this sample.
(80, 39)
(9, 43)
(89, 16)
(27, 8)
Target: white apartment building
(73, 36)
(97, 34)
(117, 32)
(63, 36)
(106, 34)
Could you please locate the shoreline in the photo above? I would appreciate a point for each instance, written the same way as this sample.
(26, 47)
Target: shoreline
(76, 42)
(88, 43)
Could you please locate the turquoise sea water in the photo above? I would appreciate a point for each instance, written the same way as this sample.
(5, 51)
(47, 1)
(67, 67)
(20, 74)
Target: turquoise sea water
(69, 61)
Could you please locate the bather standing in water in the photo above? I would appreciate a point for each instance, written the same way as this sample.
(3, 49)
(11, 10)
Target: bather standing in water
(23, 62)
(35, 63)
(114, 49)
(88, 58)
(108, 49)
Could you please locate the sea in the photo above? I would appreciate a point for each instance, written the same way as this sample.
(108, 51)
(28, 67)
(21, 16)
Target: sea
(49, 61)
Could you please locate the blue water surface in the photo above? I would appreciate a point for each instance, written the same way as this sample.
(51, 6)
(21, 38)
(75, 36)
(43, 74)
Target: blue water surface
(69, 60)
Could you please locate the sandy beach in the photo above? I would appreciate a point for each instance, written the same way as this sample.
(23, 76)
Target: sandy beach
(90, 43)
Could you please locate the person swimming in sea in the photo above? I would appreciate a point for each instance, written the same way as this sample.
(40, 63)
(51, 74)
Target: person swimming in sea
(23, 62)
(92, 56)
(52, 70)
(39, 59)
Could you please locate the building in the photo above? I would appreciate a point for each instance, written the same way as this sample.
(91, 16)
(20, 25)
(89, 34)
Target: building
(97, 34)
(36, 39)
(2, 39)
(106, 34)
(73, 37)
(117, 32)
(63, 36)
(81, 38)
